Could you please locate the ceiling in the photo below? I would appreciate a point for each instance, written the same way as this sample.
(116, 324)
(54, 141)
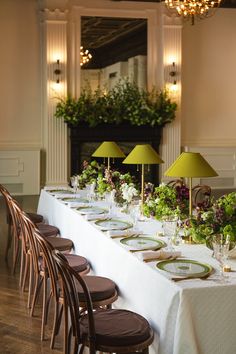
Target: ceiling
(110, 40)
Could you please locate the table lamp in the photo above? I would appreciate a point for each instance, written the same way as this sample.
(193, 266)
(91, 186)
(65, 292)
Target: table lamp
(108, 149)
(189, 165)
(143, 155)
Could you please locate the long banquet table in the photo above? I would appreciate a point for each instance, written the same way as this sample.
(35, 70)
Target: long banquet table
(189, 317)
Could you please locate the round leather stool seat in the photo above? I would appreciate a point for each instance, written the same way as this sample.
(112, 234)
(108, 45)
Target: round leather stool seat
(48, 230)
(78, 263)
(35, 218)
(60, 243)
(100, 288)
(117, 328)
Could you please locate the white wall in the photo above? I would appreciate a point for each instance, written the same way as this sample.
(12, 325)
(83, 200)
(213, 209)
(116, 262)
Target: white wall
(208, 86)
(20, 108)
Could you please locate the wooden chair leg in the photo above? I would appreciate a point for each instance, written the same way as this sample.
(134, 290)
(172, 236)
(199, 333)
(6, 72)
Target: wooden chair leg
(55, 324)
(44, 307)
(66, 328)
(15, 254)
(9, 241)
(37, 287)
(25, 272)
(30, 284)
(22, 267)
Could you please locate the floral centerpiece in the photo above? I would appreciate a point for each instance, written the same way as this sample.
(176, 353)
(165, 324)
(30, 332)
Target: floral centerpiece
(123, 184)
(90, 173)
(220, 217)
(167, 202)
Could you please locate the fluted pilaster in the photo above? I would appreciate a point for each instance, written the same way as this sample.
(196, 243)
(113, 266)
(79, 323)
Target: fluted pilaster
(171, 139)
(54, 26)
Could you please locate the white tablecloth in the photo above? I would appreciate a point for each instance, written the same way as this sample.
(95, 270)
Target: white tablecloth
(190, 317)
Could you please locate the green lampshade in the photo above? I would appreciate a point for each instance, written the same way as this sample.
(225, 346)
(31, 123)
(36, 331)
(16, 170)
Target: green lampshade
(108, 149)
(143, 155)
(190, 164)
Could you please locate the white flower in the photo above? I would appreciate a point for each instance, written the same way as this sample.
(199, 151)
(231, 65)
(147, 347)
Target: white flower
(128, 191)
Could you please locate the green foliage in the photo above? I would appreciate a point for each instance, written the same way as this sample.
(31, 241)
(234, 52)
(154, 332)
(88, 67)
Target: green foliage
(218, 218)
(90, 173)
(124, 103)
(167, 201)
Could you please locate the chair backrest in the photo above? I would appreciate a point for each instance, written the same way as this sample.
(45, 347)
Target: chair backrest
(201, 196)
(69, 277)
(27, 228)
(6, 195)
(175, 183)
(45, 250)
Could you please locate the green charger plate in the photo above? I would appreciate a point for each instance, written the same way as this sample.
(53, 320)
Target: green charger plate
(113, 224)
(74, 200)
(143, 243)
(89, 210)
(185, 268)
(60, 191)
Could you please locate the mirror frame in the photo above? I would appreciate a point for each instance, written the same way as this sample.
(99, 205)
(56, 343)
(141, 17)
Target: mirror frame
(154, 36)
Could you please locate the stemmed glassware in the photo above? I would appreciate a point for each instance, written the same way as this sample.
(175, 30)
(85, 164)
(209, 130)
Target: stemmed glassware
(74, 183)
(170, 228)
(221, 250)
(110, 200)
(91, 192)
(135, 214)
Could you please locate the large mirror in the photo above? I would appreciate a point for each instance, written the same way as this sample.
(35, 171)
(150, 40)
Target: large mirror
(119, 50)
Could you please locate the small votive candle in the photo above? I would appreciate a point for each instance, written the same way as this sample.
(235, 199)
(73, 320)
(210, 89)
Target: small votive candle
(227, 268)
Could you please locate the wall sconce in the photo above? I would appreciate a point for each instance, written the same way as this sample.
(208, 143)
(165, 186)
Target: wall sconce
(57, 71)
(173, 73)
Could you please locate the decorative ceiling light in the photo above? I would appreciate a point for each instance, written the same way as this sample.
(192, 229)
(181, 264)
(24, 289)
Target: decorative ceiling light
(85, 56)
(190, 9)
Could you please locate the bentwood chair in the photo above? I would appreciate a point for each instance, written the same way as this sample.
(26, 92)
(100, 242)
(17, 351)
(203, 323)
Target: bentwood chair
(201, 196)
(104, 330)
(14, 230)
(36, 218)
(103, 290)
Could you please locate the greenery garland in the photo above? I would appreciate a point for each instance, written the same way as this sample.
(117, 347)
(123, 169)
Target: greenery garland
(125, 103)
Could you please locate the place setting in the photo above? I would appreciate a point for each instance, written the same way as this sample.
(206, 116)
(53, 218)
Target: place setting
(93, 212)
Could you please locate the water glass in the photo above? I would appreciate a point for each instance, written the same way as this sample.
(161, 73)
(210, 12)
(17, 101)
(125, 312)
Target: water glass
(170, 228)
(221, 251)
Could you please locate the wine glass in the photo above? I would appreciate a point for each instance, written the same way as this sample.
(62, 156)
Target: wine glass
(221, 250)
(91, 192)
(135, 214)
(110, 200)
(170, 228)
(74, 183)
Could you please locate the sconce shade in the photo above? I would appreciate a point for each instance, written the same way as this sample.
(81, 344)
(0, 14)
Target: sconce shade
(143, 155)
(190, 164)
(108, 149)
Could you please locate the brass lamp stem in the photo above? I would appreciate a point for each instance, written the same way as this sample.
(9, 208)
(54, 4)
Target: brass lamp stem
(108, 163)
(142, 186)
(190, 197)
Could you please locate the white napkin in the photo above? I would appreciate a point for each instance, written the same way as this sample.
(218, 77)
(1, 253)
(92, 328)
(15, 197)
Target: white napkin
(232, 253)
(121, 233)
(90, 217)
(76, 204)
(161, 254)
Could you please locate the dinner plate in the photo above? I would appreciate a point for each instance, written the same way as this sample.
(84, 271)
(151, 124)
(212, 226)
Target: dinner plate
(60, 191)
(113, 224)
(185, 268)
(88, 210)
(74, 200)
(143, 243)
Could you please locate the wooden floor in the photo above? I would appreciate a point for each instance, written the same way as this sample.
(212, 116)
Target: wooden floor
(19, 333)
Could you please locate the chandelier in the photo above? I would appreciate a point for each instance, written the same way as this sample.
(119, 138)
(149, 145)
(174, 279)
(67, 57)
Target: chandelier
(85, 56)
(190, 9)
